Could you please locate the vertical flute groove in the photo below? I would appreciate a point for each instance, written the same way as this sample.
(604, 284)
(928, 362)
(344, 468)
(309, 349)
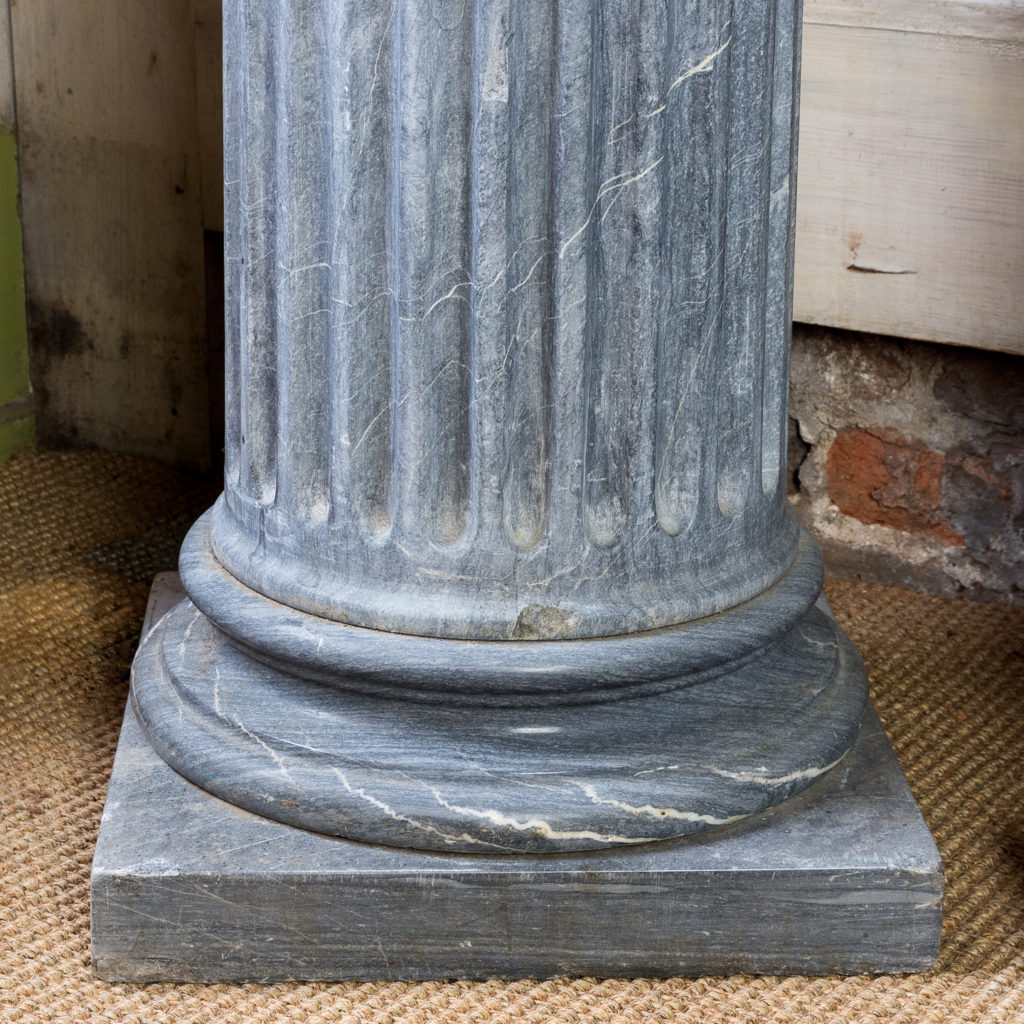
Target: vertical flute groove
(746, 241)
(395, 268)
(435, 262)
(363, 235)
(786, 114)
(260, 398)
(529, 278)
(692, 264)
(629, 152)
(474, 441)
(304, 268)
(606, 465)
(759, 342)
(773, 438)
(234, 246)
(445, 317)
(637, 212)
(397, 272)
(570, 308)
(490, 148)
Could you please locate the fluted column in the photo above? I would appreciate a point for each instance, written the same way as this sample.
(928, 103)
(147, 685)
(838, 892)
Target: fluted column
(508, 311)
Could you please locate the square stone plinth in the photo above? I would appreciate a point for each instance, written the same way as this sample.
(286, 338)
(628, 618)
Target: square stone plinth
(843, 878)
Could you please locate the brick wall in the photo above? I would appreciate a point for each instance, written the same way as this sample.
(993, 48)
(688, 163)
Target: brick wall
(907, 461)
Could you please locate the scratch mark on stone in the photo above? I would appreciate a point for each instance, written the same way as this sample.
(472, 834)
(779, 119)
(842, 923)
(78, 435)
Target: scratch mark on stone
(607, 187)
(555, 575)
(704, 66)
(384, 956)
(540, 259)
(817, 643)
(249, 846)
(274, 755)
(512, 777)
(292, 271)
(444, 298)
(629, 181)
(779, 780)
(622, 124)
(423, 826)
(648, 811)
(442, 574)
(187, 635)
(369, 426)
(663, 768)
(306, 316)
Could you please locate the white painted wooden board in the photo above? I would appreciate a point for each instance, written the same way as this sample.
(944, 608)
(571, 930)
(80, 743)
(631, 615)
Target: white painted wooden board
(911, 187)
(112, 216)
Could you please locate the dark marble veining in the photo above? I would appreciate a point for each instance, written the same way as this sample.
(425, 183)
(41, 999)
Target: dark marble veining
(344, 756)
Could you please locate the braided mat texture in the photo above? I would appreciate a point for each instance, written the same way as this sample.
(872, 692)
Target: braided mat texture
(81, 535)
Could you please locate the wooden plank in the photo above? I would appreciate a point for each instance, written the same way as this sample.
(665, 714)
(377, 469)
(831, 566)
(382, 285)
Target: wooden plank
(112, 216)
(210, 93)
(911, 193)
(998, 20)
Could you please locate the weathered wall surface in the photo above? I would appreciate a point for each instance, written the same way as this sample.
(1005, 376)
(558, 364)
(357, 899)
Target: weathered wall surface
(112, 213)
(17, 423)
(908, 461)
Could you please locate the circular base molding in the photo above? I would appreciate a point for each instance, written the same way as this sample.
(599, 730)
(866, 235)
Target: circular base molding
(721, 744)
(495, 673)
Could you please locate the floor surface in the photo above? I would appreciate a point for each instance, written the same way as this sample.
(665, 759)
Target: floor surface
(81, 536)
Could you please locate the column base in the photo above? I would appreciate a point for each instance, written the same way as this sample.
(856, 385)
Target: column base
(842, 878)
(736, 714)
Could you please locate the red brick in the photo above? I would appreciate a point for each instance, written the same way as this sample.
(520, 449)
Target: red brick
(879, 476)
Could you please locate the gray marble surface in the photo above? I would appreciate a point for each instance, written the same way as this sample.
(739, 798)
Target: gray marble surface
(504, 559)
(508, 310)
(844, 877)
(490, 672)
(388, 741)
(503, 564)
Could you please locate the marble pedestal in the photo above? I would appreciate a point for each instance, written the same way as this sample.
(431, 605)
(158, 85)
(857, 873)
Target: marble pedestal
(503, 576)
(843, 877)
(504, 561)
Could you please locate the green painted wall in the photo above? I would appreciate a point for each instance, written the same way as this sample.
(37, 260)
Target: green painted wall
(17, 424)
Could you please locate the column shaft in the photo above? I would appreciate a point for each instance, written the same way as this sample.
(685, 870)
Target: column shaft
(508, 311)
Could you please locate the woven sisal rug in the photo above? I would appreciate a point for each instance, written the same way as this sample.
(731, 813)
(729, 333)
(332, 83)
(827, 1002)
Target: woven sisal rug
(81, 536)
